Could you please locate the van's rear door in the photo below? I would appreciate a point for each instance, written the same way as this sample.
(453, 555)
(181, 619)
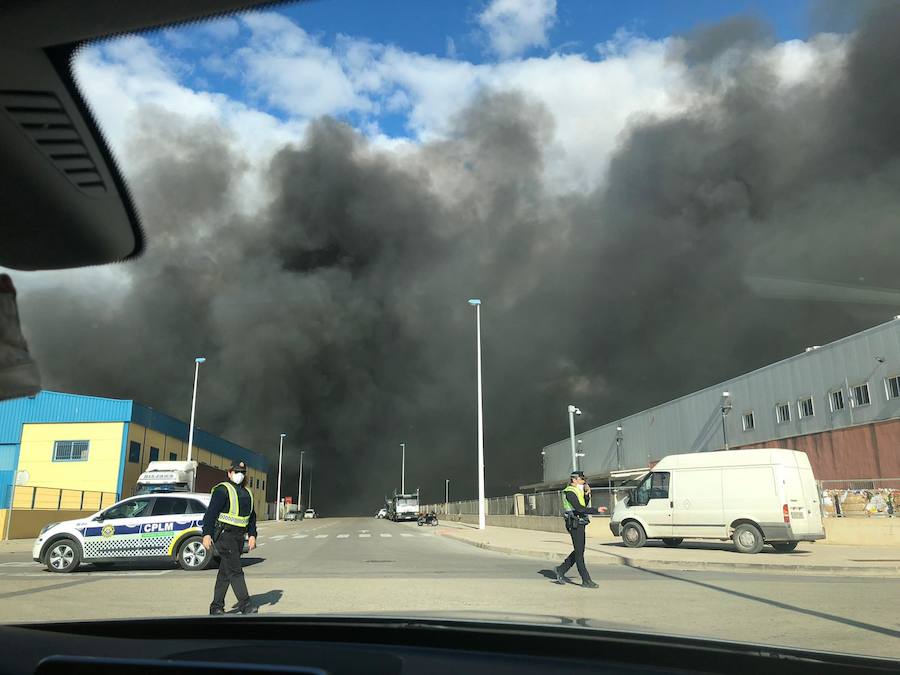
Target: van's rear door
(811, 497)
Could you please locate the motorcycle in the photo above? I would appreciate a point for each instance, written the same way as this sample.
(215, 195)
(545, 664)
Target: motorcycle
(428, 519)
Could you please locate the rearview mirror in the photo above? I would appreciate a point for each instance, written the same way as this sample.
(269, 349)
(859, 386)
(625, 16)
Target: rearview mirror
(63, 202)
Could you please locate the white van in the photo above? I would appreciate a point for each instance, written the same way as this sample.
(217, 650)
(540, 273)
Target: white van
(753, 497)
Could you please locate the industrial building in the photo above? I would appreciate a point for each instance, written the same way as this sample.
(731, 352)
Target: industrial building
(839, 403)
(63, 456)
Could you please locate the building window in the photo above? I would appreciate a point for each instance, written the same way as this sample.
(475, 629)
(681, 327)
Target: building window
(783, 412)
(264, 485)
(257, 483)
(805, 407)
(861, 395)
(836, 400)
(173, 456)
(892, 387)
(154, 454)
(70, 451)
(134, 452)
(748, 421)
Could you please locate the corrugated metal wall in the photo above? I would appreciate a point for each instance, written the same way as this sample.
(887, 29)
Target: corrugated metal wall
(693, 423)
(172, 426)
(54, 407)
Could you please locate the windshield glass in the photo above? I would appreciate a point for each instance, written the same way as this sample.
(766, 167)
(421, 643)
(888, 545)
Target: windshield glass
(456, 252)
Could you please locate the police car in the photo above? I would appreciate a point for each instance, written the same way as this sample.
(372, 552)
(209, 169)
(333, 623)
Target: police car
(154, 527)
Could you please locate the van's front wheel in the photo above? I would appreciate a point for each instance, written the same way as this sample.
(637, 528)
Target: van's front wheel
(785, 546)
(633, 535)
(747, 539)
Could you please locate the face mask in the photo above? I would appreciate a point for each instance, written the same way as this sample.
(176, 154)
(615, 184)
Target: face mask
(19, 374)
(237, 478)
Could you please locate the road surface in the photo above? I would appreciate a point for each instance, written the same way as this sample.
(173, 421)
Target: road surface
(369, 566)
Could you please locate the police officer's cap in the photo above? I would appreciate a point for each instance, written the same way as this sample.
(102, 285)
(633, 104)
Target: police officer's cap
(577, 474)
(238, 465)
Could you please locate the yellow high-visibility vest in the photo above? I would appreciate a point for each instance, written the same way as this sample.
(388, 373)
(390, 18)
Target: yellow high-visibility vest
(233, 516)
(567, 507)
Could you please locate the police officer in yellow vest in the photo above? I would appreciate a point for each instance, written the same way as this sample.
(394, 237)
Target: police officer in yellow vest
(576, 503)
(230, 515)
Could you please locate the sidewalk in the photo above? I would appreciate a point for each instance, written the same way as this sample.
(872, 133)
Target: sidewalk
(807, 558)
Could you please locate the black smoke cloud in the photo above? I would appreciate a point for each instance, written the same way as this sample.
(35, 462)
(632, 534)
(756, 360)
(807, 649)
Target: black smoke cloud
(336, 311)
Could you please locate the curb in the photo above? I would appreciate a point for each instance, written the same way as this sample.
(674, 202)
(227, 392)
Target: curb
(699, 565)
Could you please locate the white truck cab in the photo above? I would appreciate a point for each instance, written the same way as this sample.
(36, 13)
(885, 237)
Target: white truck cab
(753, 497)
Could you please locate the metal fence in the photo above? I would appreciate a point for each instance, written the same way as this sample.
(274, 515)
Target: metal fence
(536, 504)
(32, 498)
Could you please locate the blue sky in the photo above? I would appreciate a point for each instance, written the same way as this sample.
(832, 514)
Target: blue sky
(454, 31)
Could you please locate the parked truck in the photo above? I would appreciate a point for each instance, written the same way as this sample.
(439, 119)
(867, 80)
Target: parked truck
(179, 477)
(404, 507)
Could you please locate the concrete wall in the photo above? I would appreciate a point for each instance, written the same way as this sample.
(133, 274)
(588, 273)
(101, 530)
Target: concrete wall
(26, 524)
(842, 531)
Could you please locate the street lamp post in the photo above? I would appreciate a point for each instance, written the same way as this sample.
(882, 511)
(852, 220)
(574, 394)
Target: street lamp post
(278, 488)
(300, 482)
(572, 412)
(726, 408)
(446, 495)
(403, 468)
(197, 363)
(476, 303)
(619, 448)
(309, 492)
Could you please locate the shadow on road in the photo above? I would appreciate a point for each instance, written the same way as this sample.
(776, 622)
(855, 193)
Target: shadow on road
(706, 546)
(268, 598)
(249, 562)
(776, 603)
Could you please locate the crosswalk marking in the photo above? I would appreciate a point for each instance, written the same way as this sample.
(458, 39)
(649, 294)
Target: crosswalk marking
(406, 534)
(343, 536)
(321, 536)
(19, 564)
(279, 537)
(386, 534)
(300, 536)
(363, 536)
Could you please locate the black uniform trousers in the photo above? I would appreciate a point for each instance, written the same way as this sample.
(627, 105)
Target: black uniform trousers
(229, 546)
(576, 557)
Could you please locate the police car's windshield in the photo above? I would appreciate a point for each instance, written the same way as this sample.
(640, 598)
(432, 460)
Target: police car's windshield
(404, 254)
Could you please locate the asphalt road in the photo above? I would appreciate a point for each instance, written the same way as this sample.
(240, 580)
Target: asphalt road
(363, 565)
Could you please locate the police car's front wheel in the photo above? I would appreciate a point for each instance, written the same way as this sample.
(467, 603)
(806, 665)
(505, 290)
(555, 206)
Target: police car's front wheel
(192, 556)
(63, 556)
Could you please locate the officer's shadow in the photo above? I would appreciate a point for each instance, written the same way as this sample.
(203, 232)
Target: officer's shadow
(263, 599)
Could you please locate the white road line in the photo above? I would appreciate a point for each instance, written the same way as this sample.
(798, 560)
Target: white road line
(343, 536)
(19, 564)
(321, 536)
(425, 534)
(406, 534)
(300, 536)
(279, 537)
(386, 534)
(262, 544)
(363, 536)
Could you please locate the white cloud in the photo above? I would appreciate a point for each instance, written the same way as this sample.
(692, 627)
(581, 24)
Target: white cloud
(513, 26)
(591, 102)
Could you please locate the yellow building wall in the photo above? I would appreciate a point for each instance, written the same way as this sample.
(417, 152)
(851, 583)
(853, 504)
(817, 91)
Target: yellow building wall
(100, 472)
